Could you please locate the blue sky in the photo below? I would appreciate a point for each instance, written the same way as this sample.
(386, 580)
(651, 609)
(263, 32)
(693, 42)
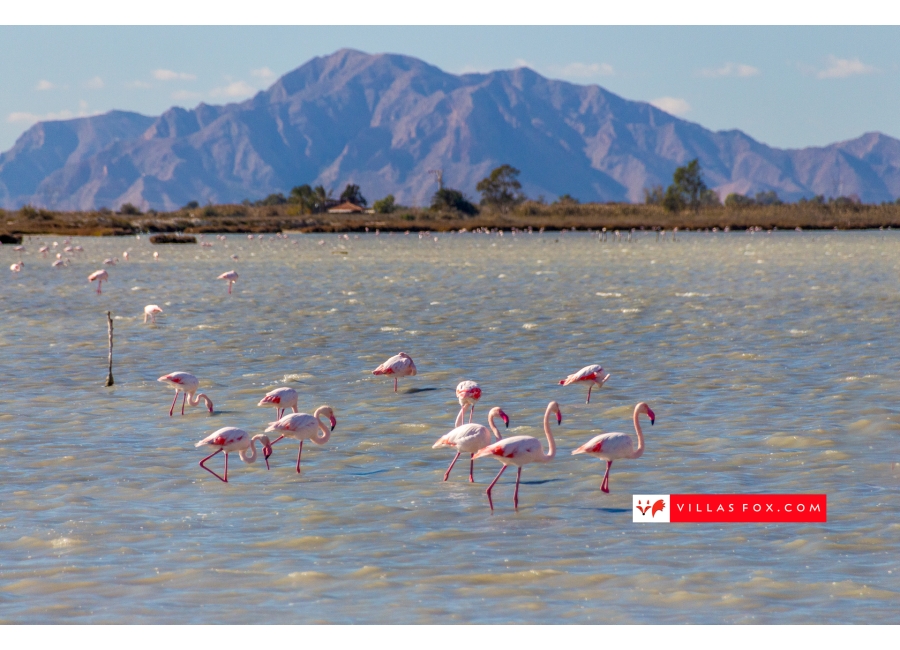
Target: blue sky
(785, 86)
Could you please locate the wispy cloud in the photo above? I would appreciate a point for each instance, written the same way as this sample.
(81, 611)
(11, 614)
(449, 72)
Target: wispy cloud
(64, 114)
(43, 84)
(94, 84)
(234, 89)
(584, 70)
(842, 68)
(731, 70)
(183, 95)
(171, 75)
(263, 73)
(139, 84)
(673, 105)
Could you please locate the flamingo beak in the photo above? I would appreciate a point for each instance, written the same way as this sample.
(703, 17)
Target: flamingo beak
(333, 423)
(505, 418)
(652, 417)
(267, 451)
(558, 417)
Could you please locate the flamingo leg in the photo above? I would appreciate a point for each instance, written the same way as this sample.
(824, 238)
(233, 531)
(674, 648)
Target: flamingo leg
(395, 384)
(472, 468)
(491, 487)
(516, 493)
(183, 400)
(224, 480)
(99, 284)
(299, 453)
(589, 394)
(605, 485)
(173, 404)
(447, 473)
(229, 287)
(471, 413)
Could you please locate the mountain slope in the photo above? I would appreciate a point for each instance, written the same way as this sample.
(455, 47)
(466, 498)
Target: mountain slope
(383, 121)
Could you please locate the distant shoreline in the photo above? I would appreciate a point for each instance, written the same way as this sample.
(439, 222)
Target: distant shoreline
(588, 216)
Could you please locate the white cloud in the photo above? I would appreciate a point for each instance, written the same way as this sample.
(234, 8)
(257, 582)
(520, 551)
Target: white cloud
(263, 73)
(185, 94)
(43, 84)
(731, 70)
(841, 68)
(673, 105)
(586, 70)
(234, 89)
(31, 118)
(94, 84)
(171, 75)
(139, 84)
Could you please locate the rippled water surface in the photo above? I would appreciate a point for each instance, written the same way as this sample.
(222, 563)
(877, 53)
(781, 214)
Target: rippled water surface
(771, 361)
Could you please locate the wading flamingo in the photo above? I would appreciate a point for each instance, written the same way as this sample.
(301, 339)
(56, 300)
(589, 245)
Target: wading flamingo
(467, 392)
(399, 365)
(229, 439)
(280, 398)
(613, 446)
(100, 276)
(471, 437)
(303, 426)
(521, 450)
(150, 311)
(16, 267)
(185, 382)
(590, 374)
(230, 276)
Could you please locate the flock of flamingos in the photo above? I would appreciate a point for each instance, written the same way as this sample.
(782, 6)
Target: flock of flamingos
(472, 438)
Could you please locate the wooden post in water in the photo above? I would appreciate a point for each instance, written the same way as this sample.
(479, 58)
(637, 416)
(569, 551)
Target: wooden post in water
(109, 325)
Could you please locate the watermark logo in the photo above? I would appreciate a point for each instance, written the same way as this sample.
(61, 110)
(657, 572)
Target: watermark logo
(729, 508)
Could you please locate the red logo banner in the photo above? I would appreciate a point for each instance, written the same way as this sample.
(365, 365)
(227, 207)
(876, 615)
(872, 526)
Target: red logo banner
(747, 508)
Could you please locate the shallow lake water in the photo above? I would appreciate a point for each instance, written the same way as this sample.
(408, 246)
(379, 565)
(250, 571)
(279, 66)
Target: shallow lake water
(771, 361)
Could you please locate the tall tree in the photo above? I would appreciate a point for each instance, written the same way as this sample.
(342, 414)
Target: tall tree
(688, 189)
(352, 194)
(501, 188)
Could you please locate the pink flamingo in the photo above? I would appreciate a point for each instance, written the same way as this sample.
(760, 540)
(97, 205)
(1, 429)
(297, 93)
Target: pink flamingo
(471, 437)
(521, 450)
(280, 398)
(467, 392)
(185, 382)
(229, 439)
(613, 446)
(16, 267)
(590, 374)
(399, 365)
(231, 277)
(150, 311)
(303, 426)
(100, 276)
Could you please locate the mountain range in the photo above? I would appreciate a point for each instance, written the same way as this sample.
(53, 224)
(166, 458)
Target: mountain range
(384, 121)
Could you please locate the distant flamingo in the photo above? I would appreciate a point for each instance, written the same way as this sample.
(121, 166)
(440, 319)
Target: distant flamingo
(229, 439)
(150, 311)
(16, 267)
(471, 438)
(43, 250)
(590, 374)
(109, 261)
(185, 382)
(100, 276)
(155, 255)
(467, 392)
(280, 398)
(303, 426)
(613, 446)
(125, 256)
(230, 276)
(399, 365)
(60, 263)
(521, 450)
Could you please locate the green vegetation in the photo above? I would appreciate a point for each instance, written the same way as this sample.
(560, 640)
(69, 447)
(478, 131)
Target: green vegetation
(385, 205)
(450, 199)
(352, 194)
(501, 189)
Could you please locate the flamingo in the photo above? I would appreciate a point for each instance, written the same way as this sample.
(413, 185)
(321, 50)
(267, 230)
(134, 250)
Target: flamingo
(230, 439)
(303, 426)
(100, 276)
(125, 256)
(185, 382)
(590, 374)
(150, 311)
(16, 267)
(399, 365)
(521, 450)
(467, 392)
(109, 261)
(43, 250)
(60, 263)
(613, 446)
(230, 276)
(281, 398)
(471, 437)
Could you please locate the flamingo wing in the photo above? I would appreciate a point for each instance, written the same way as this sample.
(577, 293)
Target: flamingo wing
(588, 373)
(224, 437)
(608, 445)
(294, 423)
(519, 449)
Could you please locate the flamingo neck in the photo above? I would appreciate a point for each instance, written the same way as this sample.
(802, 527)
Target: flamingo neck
(459, 418)
(640, 435)
(193, 400)
(551, 443)
(493, 426)
(249, 455)
(326, 432)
